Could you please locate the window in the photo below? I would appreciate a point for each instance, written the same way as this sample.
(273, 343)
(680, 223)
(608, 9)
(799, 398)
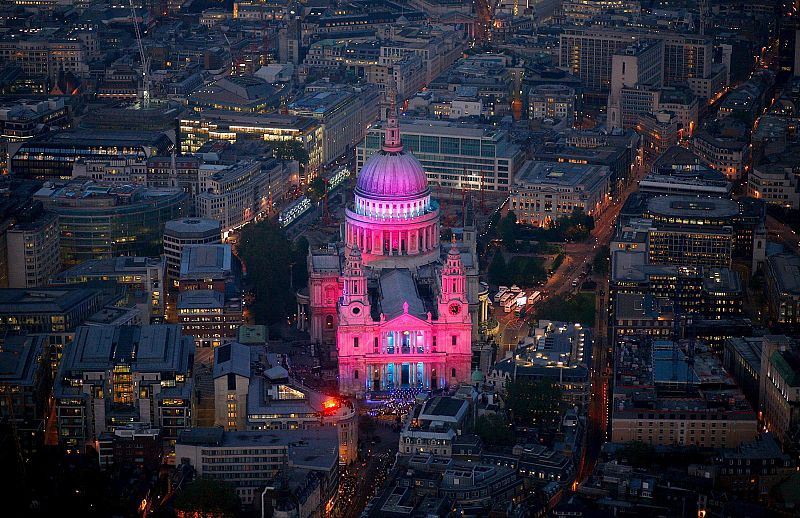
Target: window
(355, 342)
(453, 372)
(355, 375)
(455, 340)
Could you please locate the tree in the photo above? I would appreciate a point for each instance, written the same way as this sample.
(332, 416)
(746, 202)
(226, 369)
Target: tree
(508, 231)
(291, 150)
(316, 189)
(580, 308)
(601, 260)
(533, 402)
(205, 497)
(498, 270)
(268, 257)
(299, 270)
(494, 430)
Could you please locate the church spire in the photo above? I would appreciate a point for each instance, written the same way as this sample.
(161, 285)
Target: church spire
(392, 142)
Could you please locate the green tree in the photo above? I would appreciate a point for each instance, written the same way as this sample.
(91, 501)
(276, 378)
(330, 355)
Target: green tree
(207, 497)
(498, 270)
(494, 430)
(300, 256)
(600, 264)
(316, 189)
(291, 150)
(507, 228)
(533, 402)
(268, 256)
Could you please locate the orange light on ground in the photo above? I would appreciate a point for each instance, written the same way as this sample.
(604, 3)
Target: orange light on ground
(330, 405)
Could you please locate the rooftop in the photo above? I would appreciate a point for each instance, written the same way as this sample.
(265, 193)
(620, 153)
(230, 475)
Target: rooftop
(563, 174)
(206, 261)
(785, 272)
(19, 358)
(316, 448)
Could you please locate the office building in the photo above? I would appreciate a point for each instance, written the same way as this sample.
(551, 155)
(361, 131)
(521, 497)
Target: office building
(588, 54)
(783, 288)
(426, 484)
(454, 155)
(238, 93)
(117, 376)
(668, 393)
(209, 306)
(180, 233)
(25, 384)
(52, 156)
(252, 462)
(33, 249)
(639, 64)
(679, 171)
(776, 184)
(48, 310)
(142, 275)
(198, 128)
(238, 194)
(780, 387)
(253, 391)
(134, 445)
(558, 353)
(101, 221)
(728, 153)
(433, 426)
(344, 113)
(543, 192)
(555, 102)
(659, 131)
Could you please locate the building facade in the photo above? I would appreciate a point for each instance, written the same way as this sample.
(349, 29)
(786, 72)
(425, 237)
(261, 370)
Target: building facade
(457, 156)
(113, 376)
(400, 315)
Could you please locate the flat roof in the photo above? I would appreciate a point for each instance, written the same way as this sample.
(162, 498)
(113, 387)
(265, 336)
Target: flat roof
(563, 174)
(785, 270)
(206, 260)
(692, 206)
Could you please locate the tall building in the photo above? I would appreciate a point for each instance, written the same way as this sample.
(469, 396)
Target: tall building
(25, 384)
(677, 394)
(459, 156)
(101, 221)
(141, 274)
(114, 376)
(180, 233)
(33, 251)
(345, 114)
(783, 288)
(209, 305)
(640, 64)
(400, 314)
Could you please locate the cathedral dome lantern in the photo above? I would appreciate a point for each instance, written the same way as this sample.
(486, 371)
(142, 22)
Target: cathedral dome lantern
(393, 215)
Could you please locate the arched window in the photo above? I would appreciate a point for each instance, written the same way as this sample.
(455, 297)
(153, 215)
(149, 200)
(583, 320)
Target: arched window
(453, 372)
(329, 321)
(355, 375)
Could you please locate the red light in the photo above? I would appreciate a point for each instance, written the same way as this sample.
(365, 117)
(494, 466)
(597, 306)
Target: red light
(330, 405)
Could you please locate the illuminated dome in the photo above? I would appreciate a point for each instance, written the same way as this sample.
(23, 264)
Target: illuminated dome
(392, 175)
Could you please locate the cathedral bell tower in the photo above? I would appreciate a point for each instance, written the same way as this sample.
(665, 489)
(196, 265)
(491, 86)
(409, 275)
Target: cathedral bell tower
(355, 300)
(453, 297)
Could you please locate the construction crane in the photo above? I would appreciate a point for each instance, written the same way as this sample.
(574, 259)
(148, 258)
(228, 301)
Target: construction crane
(143, 58)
